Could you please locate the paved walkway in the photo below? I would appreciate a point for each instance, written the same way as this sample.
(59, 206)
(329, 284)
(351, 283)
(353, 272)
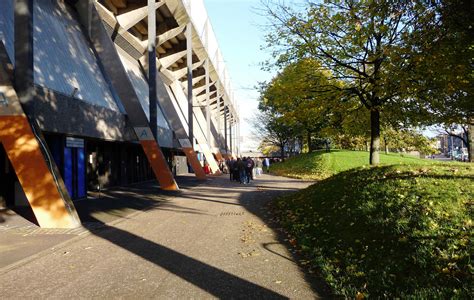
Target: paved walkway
(210, 240)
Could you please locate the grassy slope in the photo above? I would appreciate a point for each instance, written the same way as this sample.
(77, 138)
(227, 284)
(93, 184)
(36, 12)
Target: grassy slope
(319, 165)
(391, 231)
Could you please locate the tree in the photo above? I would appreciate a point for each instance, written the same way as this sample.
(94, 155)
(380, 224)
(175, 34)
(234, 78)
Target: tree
(407, 139)
(300, 95)
(361, 42)
(273, 130)
(440, 72)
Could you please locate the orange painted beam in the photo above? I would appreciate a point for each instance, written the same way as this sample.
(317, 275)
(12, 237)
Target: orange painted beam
(38, 183)
(194, 162)
(219, 155)
(159, 165)
(157, 160)
(192, 159)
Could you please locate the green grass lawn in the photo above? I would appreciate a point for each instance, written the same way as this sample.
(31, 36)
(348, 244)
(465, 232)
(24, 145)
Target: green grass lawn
(403, 229)
(319, 165)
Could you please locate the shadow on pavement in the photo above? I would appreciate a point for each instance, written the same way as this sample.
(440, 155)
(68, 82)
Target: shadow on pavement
(119, 203)
(259, 203)
(116, 203)
(256, 198)
(214, 281)
(211, 279)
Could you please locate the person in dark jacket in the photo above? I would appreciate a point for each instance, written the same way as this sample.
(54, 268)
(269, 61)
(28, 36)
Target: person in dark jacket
(249, 165)
(230, 166)
(241, 171)
(235, 170)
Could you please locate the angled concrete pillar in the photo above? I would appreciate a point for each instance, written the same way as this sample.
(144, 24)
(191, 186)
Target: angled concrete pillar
(184, 71)
(225, 131)
(197, 91)
(188, 146)
(167, 61)
(151, 64)
(196, 114)
(23, 142)
(131, 18)
(189, 59)
(23, 72)
(178, 122)
(33, 164)
(202, 98)
(208, 96)
(230, 136)
(163, 38)
(105, 50)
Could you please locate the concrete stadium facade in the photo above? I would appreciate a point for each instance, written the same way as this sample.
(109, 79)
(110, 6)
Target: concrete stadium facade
(103, 93)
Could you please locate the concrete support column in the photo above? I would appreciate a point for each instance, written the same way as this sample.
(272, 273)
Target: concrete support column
(225, 131)
(25, 146)
(189, 58)
(234, 142)
(208, 96)
(230, 134)
(238, 137)
(152, 67)
(218, 117)
(84, 8)
(208, 109)
(23, 72)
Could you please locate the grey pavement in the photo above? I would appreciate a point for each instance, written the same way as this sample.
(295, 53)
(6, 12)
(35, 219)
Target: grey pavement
(212, 239)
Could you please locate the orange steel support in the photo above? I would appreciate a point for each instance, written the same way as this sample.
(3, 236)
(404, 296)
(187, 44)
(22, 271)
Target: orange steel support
(159, 165)
(36, 179)
(194, 162)
(51, 208)
(219, 155)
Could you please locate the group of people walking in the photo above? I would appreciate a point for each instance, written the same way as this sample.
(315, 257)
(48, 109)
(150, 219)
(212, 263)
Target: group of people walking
(245, 169)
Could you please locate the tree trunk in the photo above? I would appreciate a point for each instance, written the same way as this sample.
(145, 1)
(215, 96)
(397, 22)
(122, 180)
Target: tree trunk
(470, 140)
(386, 145)
(308, 137)
(300, 144)
(282, 153)
(374, 136)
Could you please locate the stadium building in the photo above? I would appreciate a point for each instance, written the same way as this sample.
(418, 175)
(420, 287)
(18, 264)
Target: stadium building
(96, 94)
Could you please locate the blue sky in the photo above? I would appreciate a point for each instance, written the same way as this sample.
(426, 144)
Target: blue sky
(239, 31)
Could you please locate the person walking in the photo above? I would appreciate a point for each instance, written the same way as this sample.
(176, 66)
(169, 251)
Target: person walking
(236, 172)
(231, 166)
(249, 165)
(241, 171)
(266, 164)
(258, 167)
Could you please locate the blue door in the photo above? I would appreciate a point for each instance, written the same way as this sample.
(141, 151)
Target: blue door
(75, 171)
(81, 173)
(68, 171)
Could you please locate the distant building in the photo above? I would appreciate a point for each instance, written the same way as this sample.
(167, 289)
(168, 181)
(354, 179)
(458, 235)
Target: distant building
(447, 144)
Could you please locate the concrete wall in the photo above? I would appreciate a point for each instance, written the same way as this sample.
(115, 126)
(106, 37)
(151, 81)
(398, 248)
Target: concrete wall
(59, 113)
(140, 84)
(63, 58)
